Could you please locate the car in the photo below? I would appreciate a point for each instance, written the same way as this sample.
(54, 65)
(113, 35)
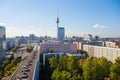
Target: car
(24, 66)
(30, 61)
(26, 70)
(22, 79)
(29, 64)
(33, 57)
(25, 73)
(23, 76)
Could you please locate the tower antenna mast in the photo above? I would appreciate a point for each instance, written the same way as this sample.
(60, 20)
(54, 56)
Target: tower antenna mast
(57, 15)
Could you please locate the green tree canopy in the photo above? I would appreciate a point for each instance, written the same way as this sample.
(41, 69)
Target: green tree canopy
(14, 48)
(56, 75)
(115, 70)
(1, 74)
(71, 63)
(95, 68)
(53, 62)
(29, 49)
(62, 63)
(60, 75)
(91, 68)
(50, 50)
(65, 75)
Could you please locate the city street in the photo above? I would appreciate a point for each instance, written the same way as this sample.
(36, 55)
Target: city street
(29, 62)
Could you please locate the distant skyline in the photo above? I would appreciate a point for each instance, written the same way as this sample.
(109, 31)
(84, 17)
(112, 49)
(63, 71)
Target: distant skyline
(78, 17)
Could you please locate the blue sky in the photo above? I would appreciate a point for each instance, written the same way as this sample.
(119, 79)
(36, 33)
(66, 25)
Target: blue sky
(79, 17)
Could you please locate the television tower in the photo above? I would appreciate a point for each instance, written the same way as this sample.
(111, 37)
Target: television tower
(57, 22)
(57, 25)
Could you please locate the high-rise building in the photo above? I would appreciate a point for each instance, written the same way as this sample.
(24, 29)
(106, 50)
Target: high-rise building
(61, 33)
(2, 33)
(2, 40)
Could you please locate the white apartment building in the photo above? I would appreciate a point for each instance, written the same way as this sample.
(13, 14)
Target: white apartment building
(109, 53)
(110, 44)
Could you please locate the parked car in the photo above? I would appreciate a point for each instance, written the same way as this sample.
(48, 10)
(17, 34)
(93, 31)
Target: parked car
(23, 76)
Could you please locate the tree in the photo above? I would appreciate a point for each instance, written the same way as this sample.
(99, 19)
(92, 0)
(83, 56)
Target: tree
(11, 58)
(60, 75)
(71, 63)
(105, 66)
(1, 74)
(50, 50)
(19, 59)
(53, 62)
(62, 63)
(75, 73)
(7, 69)
(92, 69)
(78, 77)
(14, 48)
(5, 63)
(80, 65)
(29, 49)
(87, 69)
(115, 70)
(65, 75)
(14, 62)
(56, 75)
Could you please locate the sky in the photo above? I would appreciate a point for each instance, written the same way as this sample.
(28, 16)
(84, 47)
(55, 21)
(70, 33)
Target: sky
(78, 17)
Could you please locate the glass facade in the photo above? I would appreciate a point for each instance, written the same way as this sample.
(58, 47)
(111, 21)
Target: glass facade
(61, 33)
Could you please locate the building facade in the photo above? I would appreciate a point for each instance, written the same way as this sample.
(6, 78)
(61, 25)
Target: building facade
(97, 51)
(2, 33)
(96, 43)
(2, 40)
(2, 36)
(59, 47)
(61, 33)
(9, 43)
(79, 45)
(110, 44)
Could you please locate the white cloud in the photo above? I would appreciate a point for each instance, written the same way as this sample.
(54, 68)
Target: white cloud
(99, 26)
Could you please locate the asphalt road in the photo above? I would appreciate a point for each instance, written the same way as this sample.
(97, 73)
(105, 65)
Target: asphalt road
(26, 62)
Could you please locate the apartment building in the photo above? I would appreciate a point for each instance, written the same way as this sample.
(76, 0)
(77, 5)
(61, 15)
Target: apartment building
(97, 51)
(58, 47)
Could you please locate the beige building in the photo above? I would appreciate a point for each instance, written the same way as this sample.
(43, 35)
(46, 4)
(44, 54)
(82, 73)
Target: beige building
(79, 45)
(110, 44)
(110, 53)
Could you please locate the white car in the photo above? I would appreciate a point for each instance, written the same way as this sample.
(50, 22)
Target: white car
(24, 76)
